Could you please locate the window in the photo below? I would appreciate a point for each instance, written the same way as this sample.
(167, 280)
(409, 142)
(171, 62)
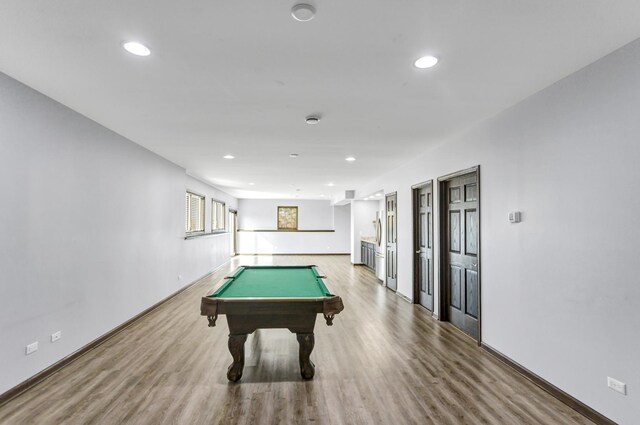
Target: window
(194, 213)
(217, 216)
(287, 218)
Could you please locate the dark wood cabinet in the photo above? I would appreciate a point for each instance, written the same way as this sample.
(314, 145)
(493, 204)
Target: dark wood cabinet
(368, 254)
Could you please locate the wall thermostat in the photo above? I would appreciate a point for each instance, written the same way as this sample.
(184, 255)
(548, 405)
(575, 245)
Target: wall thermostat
(514, 217)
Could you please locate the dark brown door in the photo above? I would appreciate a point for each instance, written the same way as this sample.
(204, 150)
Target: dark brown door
(392, 242)
(460, 242)
(423, 244)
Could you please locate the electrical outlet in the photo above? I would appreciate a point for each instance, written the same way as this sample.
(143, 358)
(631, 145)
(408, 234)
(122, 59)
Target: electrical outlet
(33, 347)
(56, 336)
(515, 217)
(616, 385)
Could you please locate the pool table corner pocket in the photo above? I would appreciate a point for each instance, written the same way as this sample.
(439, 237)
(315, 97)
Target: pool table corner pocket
(209, 308)
(330, 307)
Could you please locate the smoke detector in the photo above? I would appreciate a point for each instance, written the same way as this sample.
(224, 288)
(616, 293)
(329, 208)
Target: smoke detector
(303, 12)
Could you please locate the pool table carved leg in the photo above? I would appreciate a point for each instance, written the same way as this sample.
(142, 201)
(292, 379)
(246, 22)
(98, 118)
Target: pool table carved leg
(236, 347)
(307, 368)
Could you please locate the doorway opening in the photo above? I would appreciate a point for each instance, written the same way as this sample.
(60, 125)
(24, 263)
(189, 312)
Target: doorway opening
(233, 230)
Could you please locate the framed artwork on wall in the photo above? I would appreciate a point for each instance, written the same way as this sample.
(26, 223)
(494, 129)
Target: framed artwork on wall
(287, 218)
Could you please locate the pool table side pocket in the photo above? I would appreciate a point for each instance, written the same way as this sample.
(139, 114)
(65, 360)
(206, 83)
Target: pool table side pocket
(330, 307)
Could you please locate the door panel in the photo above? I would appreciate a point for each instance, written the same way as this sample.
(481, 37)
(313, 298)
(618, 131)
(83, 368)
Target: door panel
(454, 195)
(471, 232)
(423, 244)
(471, 300)
(424, 267)
(454, 287)
(392, 232)
(454, 231)
(470, 192)
(460, 252)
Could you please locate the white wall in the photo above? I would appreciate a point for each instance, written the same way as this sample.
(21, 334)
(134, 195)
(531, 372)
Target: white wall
(363, 215)
(559, 295)
(92, 231)
(261, 214)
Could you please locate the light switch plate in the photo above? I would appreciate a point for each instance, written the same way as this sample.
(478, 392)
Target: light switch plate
(616, 385)
(31, 348)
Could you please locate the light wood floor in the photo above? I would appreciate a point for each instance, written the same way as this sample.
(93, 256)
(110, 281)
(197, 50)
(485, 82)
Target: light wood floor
(384, 361)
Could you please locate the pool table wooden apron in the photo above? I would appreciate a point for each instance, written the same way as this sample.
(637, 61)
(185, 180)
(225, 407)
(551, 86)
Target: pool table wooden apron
(246, 314)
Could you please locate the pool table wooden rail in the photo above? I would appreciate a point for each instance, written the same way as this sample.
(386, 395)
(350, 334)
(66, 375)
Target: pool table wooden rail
(271, 308)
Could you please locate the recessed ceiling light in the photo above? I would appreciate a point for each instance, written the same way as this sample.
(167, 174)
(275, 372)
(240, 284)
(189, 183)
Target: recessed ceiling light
(330, 184)
(350, 159)
(228, 157)
(425, 62)
(377, 194)
(303, 12)
(293, 155)
(251, 184)
(311, 119)
(322, 195)
(136, 48)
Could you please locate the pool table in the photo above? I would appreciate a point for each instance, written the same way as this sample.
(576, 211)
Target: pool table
(261, 297)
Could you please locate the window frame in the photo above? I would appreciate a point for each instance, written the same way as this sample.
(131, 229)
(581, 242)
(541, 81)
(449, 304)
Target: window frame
(202, 204)
(215, 205)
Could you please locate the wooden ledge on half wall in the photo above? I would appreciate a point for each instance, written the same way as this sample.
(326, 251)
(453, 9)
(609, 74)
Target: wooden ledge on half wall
(204, 235)
(287, 230)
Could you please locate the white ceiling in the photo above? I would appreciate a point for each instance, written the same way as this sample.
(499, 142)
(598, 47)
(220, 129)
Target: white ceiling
(240, 76)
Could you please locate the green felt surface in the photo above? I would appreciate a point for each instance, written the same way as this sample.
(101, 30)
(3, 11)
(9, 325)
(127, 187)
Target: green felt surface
(273, 281)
